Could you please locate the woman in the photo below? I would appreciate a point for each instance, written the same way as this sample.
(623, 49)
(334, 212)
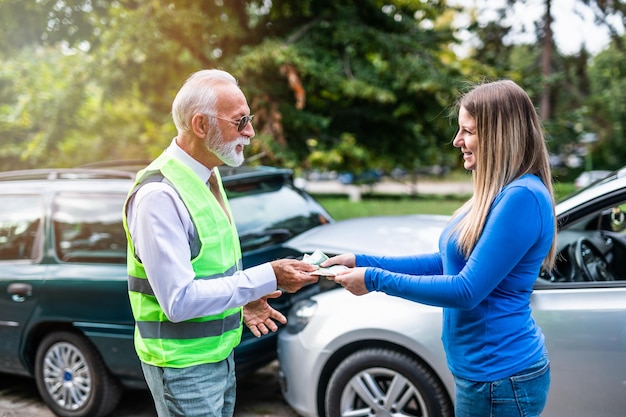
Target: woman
(489, 257)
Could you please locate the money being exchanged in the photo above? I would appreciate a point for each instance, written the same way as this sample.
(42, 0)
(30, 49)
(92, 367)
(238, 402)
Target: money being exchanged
(316, 258)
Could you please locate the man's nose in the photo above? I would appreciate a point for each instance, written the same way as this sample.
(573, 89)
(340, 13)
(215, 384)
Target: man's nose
(248, 130)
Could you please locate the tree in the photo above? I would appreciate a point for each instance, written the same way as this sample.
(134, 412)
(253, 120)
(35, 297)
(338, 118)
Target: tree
(362, 83)
(606, 110)
(558, 83)
(610, 14)
(369, 83)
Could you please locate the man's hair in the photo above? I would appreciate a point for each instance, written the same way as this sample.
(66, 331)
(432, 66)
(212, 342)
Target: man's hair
(510, 144)
(198, 95)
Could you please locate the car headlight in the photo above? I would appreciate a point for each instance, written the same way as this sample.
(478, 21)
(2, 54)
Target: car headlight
(300, 314)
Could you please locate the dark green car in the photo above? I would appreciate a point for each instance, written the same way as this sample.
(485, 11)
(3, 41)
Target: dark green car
(65, 317)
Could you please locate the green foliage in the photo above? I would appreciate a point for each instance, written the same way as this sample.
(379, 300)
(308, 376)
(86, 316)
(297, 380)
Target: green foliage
(346, 85)
(583, 100)
(375, 72)
(345, 155)
(607, 111)
(29, 23)
(369, 71)
(38, 88)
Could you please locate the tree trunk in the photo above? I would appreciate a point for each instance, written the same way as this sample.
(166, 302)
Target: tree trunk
(546, 64)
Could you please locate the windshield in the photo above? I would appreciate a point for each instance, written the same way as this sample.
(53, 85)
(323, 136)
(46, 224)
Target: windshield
(271, 211)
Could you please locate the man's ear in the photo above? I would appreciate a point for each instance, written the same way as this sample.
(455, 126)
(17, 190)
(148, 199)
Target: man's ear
(199, 125)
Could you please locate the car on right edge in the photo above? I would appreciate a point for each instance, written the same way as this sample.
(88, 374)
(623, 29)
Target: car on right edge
(342, 355)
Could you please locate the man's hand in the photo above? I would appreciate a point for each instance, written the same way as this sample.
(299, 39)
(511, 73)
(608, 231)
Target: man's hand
(259, 316)
(291, 274)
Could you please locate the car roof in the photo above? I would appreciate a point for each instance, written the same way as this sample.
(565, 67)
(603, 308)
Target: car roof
(231, 173)
(125, 171)
(64, 174)
(44, 181)
(615, 182)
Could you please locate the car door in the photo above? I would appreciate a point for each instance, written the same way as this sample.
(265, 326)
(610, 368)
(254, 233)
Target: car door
(585, 330)
(583, 314)
(21, 275)
(87, 284)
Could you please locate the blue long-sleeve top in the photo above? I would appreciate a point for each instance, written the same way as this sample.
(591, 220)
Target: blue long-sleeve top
(488, 331)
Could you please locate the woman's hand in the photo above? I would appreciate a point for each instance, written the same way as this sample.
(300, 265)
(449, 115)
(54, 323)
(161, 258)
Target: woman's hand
(352, 280)
(347, 259)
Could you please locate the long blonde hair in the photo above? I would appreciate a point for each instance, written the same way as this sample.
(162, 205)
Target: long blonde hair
(510, 144)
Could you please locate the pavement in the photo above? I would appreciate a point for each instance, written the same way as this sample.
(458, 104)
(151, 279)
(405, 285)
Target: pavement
(258, 395)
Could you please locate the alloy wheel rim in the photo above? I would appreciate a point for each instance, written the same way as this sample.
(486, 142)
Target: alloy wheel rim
(67, 376)
(381, 392)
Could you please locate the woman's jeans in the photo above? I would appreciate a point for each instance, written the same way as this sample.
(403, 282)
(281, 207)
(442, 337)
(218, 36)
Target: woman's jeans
(206, 390)
(521, 395)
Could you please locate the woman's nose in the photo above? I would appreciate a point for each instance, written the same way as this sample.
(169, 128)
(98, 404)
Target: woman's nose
(457, 141)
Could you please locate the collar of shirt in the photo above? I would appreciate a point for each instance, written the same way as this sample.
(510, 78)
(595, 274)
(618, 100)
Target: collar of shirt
(177, 153)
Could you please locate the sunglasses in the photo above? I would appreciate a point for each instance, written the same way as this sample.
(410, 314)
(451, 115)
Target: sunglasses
(241, 123)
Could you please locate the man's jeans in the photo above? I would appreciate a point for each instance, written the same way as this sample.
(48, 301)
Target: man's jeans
(206, 390)
(521, 395)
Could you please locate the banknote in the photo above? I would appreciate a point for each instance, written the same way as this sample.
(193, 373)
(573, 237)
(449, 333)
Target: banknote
(316, 258)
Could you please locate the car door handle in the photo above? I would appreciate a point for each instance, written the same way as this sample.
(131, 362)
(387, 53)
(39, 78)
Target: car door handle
(19, 291)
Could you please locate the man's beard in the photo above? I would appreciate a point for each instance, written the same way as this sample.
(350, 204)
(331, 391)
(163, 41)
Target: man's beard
(227, 151)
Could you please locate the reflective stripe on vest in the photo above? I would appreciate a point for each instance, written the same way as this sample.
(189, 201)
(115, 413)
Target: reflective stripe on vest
(142, 285)
(188, 329)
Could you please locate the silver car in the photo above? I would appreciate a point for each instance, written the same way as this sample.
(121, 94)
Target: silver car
(377, 355)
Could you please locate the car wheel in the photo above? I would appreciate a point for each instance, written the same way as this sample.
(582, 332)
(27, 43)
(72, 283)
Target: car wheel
(72, 378)
(385, 382)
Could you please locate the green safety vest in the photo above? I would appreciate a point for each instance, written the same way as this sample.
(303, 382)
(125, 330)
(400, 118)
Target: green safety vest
(208, 339)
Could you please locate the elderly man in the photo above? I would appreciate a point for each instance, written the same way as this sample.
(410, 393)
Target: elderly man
(186, 283)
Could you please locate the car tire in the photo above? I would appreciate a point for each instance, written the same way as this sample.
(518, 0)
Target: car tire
(72, 378)
(365, 379)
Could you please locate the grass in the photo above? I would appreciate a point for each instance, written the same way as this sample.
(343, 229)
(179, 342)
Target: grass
(342, 208)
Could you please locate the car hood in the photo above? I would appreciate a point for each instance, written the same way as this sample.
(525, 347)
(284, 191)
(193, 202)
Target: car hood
(378, 235)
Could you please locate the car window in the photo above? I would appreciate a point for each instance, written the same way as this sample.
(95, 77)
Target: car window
(20, 220)
(88, 227)
(592, 247)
